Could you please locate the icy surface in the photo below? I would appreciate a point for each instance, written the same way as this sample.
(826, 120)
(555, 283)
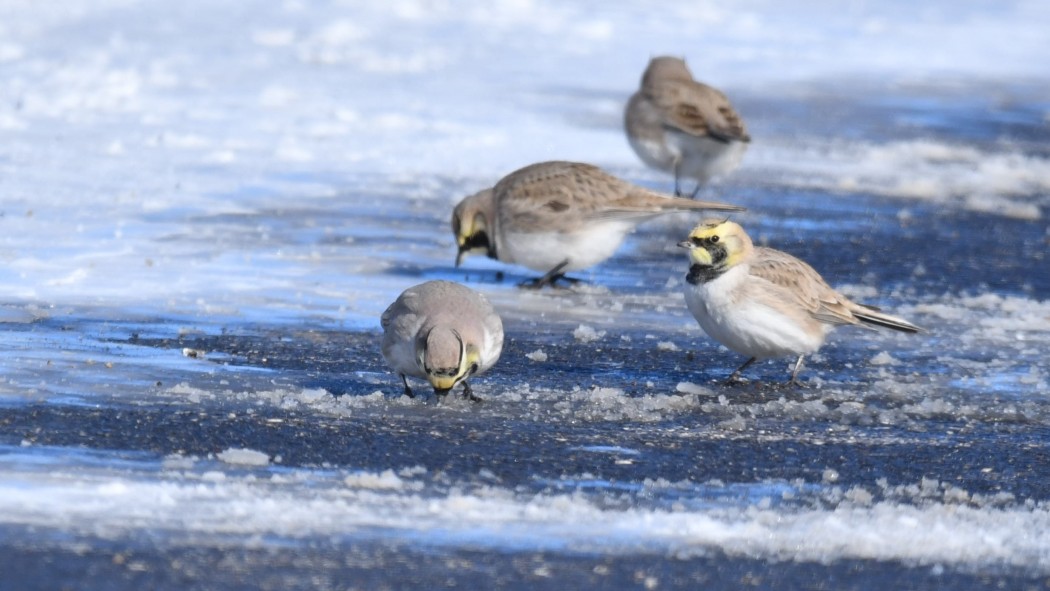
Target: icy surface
(206, 206)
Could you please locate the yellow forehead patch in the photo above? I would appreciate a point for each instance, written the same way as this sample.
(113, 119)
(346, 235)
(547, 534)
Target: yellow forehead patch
(708, 228)
(442, 382)
(717, 243)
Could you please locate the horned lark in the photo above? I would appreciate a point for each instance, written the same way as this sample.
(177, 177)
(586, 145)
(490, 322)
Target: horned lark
(762, 302)
(558, 217)
(677, 124)
(441, 332)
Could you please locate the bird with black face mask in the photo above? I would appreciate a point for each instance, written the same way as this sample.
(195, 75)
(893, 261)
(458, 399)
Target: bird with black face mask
(764, 303)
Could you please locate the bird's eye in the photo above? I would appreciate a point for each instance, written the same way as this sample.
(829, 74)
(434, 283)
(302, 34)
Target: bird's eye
(714, 240)
(473, 368)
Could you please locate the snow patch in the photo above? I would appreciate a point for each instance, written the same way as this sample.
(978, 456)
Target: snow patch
(906, 522)
(385, 480)
(539, 356)
(1006, 183)
(587, 334)
(696, 389)
(244, 457)
(883, 358)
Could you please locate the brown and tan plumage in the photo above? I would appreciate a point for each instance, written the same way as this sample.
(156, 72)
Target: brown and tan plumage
(696, 108)
(765, 303)
(558, 217)
(683, 126)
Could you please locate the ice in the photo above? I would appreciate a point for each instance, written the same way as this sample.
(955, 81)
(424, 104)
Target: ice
(206, 206)
(691, 388)
(365, 505)
(1001, 181)
(883, 358)
(244, 457)
(539, 356)
(586, 334)
(386, 480)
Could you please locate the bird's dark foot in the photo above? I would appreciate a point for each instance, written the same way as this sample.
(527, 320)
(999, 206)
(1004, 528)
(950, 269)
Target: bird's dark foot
(736, 380)
(793, 382)
(469, 394)
(553, 283)
(552, 276)
(696, 190)
(540, 282)
(791, 385)
(408, 391)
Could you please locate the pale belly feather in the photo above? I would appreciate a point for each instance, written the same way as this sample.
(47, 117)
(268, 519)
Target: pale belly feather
(748, 327)
(704, 158)
(542, 251)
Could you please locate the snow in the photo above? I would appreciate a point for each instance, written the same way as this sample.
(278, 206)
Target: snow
(883, 358)
(587, 334)
(369, 505)
(244, 457)
(691, 388)
(206, 207)
(386, 480)
(539, 356)
(999, 180)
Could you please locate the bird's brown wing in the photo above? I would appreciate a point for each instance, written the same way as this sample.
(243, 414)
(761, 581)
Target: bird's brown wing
(802, 285)
(700, 110)
(544, 197)
(563, 196)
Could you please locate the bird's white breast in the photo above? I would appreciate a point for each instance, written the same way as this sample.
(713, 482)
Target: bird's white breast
(648, 139)
(491, 347)
(703, 158)
(655, 152)
(746, 325)
(590, 244)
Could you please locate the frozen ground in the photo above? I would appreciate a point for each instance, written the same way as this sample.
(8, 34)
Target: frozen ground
(205, 207)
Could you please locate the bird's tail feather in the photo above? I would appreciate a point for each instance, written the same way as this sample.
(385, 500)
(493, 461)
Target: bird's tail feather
(659, 202)
(873, 316)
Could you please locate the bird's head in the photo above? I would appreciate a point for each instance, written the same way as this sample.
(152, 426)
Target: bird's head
(665, 67)
(445, 358)
(472, 225)
(715, 246)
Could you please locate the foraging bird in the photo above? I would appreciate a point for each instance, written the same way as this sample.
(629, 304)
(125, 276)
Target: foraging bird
(765, 303)
(558, 217)
(441, 332)
(677, 124)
